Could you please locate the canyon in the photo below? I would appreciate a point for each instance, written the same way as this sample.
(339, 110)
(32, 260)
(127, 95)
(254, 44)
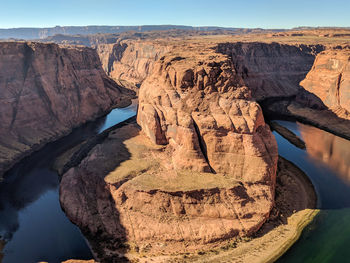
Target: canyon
(46, 91)
(190, 112)
(196, 170)
(201, 143)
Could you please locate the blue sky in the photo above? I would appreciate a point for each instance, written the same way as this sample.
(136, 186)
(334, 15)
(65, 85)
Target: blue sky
(234, 13)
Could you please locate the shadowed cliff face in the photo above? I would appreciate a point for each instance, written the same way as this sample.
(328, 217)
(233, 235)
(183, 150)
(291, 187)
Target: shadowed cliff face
(47, 90)
(271, 70)
(268, 69)
(329, 79)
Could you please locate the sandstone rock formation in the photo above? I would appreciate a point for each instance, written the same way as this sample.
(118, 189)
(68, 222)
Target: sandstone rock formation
(329, 79)
(126, 197)
(46, 90)
(198, 106)
(130, 60)
(201, 172)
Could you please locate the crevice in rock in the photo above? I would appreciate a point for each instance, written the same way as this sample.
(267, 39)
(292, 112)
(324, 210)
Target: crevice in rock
(28, 58)
(45, 97)
(202, 145)
(161, 140)
(116, 55)
(338, 87)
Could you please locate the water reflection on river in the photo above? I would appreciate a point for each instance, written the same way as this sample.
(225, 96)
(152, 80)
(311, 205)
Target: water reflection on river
(326, 161)
(31, 220)
(329, 149)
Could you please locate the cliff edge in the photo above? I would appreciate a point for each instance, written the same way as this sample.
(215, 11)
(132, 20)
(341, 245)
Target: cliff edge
(46, 90)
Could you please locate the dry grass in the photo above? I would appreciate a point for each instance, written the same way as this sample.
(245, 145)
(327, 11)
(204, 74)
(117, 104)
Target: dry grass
(148, 168)
(183, 181)
(140, 149)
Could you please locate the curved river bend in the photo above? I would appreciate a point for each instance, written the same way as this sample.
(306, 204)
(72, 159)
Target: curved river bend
(36, 229)
(31, 219)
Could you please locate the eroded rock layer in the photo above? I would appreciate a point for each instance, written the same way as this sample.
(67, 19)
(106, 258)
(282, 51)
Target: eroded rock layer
(47, 90)
(329, 79)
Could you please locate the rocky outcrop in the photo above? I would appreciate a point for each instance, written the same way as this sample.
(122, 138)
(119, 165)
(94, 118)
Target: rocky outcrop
(329, 79)
(46, 90)
(198, 106)
(200, 173)
(288, 135)
(130, 60)
(126, 197)
(194, 104)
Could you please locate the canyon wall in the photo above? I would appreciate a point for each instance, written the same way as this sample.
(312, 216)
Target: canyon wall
(271, 70)
(329, 79)
(268, 69)
(130, 60)
(46, 90)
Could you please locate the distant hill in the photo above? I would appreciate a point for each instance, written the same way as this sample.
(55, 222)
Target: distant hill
(41, 33)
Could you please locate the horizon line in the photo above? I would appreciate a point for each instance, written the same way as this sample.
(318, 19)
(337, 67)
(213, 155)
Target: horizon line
(193, 26)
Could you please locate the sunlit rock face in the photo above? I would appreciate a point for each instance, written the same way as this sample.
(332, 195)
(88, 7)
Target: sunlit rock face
(193, 102)
(329, 79)
(198, 106)
(46, 90)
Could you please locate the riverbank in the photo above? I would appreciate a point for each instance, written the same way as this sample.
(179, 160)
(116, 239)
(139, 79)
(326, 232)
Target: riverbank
(288, 135)
(12, 160)
(34, 187)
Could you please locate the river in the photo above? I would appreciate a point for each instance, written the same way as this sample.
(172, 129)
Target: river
(36, 229)
(326, 161)
(31, 219)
